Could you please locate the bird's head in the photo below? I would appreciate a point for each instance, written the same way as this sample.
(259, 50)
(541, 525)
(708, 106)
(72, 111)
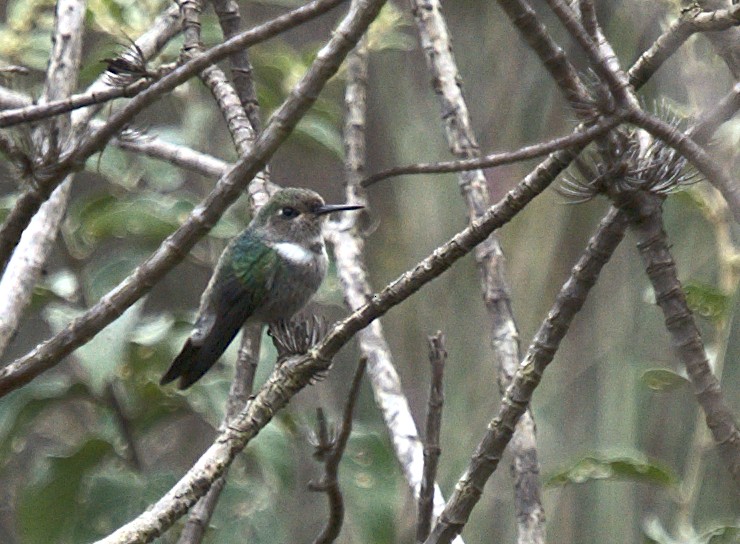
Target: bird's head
(294, 215)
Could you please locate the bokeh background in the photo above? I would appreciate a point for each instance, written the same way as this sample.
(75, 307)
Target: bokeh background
(87, 446)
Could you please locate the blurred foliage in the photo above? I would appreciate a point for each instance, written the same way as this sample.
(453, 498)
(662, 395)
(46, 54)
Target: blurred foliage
(662, 379)
(621, 468)
(707, 301)
(92, 443)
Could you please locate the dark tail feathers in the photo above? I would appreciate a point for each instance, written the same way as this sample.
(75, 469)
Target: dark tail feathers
(194, 360)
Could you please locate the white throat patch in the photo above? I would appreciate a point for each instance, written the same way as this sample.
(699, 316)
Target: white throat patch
(294, 253)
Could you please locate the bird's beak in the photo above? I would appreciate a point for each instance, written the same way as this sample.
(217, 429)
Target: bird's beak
(331, 208)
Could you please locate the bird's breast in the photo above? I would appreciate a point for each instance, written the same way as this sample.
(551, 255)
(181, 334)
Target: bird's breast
(299, 275)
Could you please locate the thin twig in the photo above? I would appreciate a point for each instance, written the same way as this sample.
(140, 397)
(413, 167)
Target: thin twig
(204, 216)
(690, 22)
(29, 201)
(580, 137)
(568, 302)
(432, 451)
(330, 481)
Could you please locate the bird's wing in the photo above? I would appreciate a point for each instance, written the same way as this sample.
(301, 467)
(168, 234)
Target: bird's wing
(239, 284)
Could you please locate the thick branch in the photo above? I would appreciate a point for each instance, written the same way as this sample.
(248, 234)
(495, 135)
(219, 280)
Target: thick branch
(291, 376)
(660, 267)
(204, 216)
(45, 183)
(694, 153)
(569, 301)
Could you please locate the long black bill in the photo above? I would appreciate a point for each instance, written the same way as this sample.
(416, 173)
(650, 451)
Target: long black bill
(331, 208)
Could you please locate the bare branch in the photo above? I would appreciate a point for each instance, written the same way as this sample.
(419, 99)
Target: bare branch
(30, 200)
(204, 216)
(580, 137)
(568, 302)
(729, 188)
(660, 267)
(330, 481)
(437, 359)
(690, 22)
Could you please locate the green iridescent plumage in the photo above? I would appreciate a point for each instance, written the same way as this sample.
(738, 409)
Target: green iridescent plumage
(265, 274)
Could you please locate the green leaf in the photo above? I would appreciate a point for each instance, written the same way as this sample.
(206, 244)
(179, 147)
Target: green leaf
(662, 379)
(47, 508)
(707, 301)
(618, 469)
(147, 216)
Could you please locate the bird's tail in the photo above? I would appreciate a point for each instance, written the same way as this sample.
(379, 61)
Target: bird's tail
(194, 360)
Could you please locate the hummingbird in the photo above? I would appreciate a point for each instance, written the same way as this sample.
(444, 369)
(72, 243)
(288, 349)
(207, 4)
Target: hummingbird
(266, 274)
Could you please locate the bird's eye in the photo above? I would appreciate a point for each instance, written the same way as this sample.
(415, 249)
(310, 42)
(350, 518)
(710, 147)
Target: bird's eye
(289, 212)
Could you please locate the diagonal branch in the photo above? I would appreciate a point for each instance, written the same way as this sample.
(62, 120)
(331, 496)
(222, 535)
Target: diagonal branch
(728, 187)
(46, 181)
(690, 22)
(204, 216)
(294, 374)
(514, 404)
(348, 248)
(652, 241)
